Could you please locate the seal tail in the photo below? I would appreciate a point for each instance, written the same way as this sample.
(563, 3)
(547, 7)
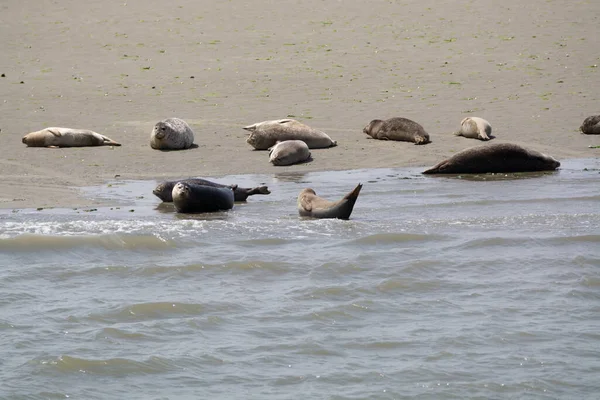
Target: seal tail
(259, 190)
(109, 142)
(349, 200)
(241, 194)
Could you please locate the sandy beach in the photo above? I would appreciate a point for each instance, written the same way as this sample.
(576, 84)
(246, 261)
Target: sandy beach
(118, 67)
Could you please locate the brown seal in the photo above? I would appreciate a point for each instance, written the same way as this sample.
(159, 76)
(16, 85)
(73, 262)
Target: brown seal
(397, 128)
(475, 128)
(66, 137)
(289, 152)
(171, 134)
(164, 190)
(591, 125)
(264, 135)
(311, 205)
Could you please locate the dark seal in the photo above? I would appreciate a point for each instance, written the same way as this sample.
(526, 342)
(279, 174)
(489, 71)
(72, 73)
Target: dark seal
(164, 190)
(192, 198)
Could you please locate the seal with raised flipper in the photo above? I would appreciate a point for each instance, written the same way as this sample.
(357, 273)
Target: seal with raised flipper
(264, 135)
(171, 134)
(289, 152)
(164, 190)
(193, 198)
(311, 205)
(66, 137)
(497, 157)
(591, 125)
(475, 128)
(397, 128)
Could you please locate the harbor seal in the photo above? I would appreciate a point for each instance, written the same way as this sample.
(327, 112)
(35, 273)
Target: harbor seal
(193, 198)
(397, 128)
(264, 135)
(171, 134)
(311, 205)
(499, 157)
(475, 128)
(66, 137)
(591, 125)
(164, 190)
(289, 152)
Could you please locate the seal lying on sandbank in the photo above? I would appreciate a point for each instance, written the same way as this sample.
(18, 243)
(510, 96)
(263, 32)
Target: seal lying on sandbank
(164, 190)
(591, 125)
(311, 205)
(289, 152)
(265, 134)
(192, 198)
(171, 134)
(475, 128)
(397, 128)
(499, 157)
(66, 137)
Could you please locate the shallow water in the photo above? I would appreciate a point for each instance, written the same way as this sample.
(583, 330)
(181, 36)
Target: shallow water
(438, 287)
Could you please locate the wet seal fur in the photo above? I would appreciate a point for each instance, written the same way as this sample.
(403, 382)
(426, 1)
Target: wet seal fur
(397, 128)
(498, 157)
(171, 134)
(591, 125)
(66, 137)
(289, 152)
(264, 135)
(192, 198)
(311, 205)
(164, 190)
(475, 128)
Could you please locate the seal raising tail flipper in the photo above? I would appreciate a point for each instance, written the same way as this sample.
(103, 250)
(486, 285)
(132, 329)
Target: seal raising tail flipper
(311, 205)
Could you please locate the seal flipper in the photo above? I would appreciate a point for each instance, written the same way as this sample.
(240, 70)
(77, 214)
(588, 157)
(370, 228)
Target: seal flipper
(241, 194)
(109, 142)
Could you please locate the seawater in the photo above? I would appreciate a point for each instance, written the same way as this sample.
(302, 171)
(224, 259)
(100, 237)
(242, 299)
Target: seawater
(459, 287)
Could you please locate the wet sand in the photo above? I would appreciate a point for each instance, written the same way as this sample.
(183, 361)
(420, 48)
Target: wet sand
(530, 68)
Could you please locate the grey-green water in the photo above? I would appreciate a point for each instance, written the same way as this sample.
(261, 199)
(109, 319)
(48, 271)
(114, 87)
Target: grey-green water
(438, 287)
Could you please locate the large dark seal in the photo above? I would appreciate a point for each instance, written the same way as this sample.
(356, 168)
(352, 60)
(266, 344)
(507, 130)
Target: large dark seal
(192, 198)
(265, 134)
(311, 205)
(66, 137)
(171, 134)
(164, 190)
(499, 157)
(397, 128)
(289, 152)
(591, 125)
(475, 128)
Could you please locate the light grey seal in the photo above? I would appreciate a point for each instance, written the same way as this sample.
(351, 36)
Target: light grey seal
(475, 128)
(192, 198)
(265, 134)
(164, 190)
(289, 152)
(397, 128)
(66, 137)
(591, 125)
(499, 157)
(311, 205)
(171, 134)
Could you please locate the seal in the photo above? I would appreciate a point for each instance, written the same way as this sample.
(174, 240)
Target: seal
(311, 205)
(164, 190)
(397, 128)
(264, 135)
(591, 125)
(192, 198)
(499, 157)
(66, 137)
(171, 134)
(475, 128)
(289, 152)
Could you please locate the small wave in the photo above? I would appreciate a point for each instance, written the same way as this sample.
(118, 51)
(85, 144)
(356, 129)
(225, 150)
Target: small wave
(392, 238)
(111, 366)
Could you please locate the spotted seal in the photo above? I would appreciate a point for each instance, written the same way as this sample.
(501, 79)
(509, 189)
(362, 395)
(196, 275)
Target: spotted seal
(66, 137)
(311, 205)
(397, 128)
(193, 198)
(264, 135)
(591, 125)
(171, 134)
(289, 152)
(475, 128)
(164, 190)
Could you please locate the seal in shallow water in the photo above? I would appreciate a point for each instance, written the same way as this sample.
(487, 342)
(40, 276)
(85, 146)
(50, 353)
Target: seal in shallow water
(171, 134)
(192, 198)
(475, 128)
(289, 152)
(66, 137)
(499, 157)
(591, 125)
(311, 205)
(265, 134)
(164, 190)
(397, 128)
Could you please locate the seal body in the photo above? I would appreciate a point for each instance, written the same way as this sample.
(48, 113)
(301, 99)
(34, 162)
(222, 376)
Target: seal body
(475, 128)
(397, 128)
(311, 205)
(289, 152)
(164, 190)
(264, 135)
(500, 157)
(591, 125)
(66, 137)
(171, 134)
(193, 198)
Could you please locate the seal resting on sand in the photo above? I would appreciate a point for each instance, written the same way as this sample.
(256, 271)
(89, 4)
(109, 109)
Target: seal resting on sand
(289, 152)
(311, 205)
(475, 128)
(171, 134)
(192, 198)
(499, 157)
(164, 190)
(66, 137)
(265, 134)
(397, 128)
(591, 125)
